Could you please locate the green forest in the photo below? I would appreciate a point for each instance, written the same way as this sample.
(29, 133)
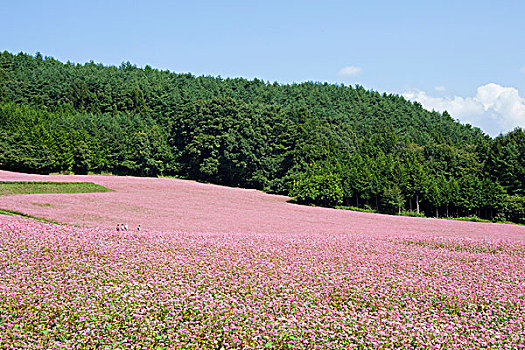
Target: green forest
(323, 144)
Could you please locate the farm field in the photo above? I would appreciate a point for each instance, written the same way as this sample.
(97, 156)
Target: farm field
(170, 204)
(219, 267)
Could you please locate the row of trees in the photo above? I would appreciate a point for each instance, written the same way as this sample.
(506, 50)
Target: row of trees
(390, 184)
(324, 144)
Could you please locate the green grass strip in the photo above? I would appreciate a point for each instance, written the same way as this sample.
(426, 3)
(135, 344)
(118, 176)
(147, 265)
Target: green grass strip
(17, 213)
(20, 187)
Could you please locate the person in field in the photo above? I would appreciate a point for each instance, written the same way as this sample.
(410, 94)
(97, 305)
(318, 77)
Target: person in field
(138, 228)
(118, 227)
(125, 227)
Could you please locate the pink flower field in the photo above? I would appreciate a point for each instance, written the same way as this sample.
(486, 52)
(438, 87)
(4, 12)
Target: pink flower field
(219, 267)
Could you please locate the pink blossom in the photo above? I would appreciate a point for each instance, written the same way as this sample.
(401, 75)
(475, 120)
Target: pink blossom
(218, 267)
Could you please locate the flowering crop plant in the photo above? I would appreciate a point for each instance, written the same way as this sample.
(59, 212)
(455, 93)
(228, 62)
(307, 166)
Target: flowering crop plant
(381, 282)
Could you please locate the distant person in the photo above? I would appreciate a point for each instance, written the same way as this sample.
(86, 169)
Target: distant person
(121, 227)
(138, 228)
(118, 227)
(125, 227)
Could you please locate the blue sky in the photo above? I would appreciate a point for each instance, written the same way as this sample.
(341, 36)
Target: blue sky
(464, 56)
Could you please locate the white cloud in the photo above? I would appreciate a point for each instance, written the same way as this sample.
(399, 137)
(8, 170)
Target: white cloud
(495, 109)
(440, 88)
(350, 71)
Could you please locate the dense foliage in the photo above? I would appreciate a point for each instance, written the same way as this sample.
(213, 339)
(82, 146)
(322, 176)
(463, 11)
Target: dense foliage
(324, 144)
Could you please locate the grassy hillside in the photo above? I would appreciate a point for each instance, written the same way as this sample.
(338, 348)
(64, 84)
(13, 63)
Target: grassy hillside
(322, 143)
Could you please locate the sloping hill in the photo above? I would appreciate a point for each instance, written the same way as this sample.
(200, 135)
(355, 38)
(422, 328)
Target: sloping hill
(181, 205)
(321, 143)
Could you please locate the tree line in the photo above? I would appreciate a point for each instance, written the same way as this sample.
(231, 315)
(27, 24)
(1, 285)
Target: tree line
(321, 143)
